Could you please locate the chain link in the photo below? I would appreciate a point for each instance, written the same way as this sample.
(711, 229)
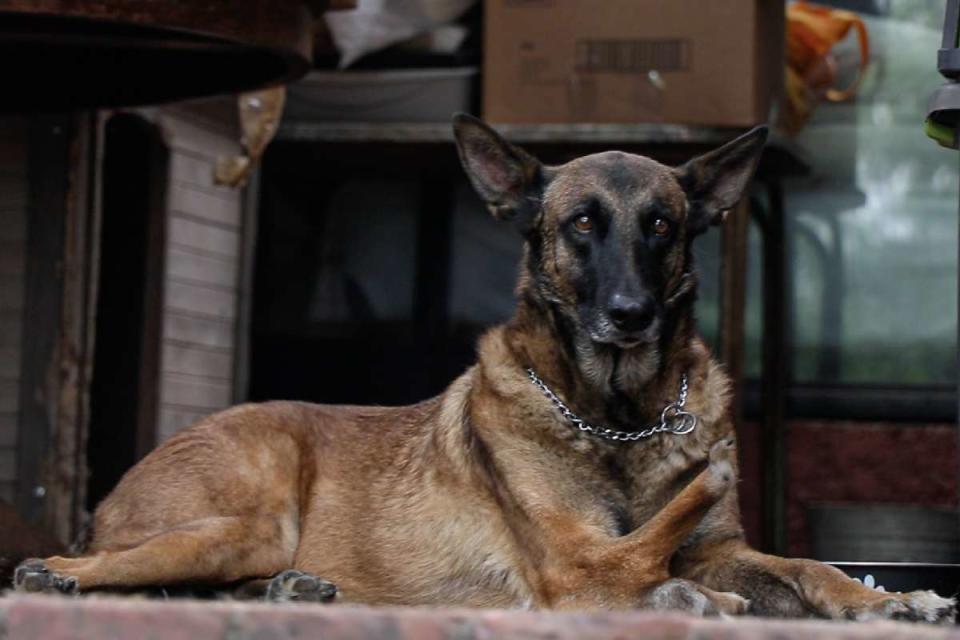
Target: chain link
(673, 419)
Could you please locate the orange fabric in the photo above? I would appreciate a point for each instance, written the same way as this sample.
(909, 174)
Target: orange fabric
(812, 32)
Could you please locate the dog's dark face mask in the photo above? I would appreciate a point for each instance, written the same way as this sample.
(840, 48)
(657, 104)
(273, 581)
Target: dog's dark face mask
(608, 234)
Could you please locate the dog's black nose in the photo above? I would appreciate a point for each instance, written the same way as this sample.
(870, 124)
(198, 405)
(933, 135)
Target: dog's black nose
(630, 314)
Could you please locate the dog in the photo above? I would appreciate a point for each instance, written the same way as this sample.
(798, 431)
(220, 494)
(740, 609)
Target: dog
(586, 461)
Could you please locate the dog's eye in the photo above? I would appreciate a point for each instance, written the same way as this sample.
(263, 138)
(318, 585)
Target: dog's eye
(583, 224)
(661, 227)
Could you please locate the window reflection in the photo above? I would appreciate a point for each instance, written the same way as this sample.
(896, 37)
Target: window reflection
(873, 230)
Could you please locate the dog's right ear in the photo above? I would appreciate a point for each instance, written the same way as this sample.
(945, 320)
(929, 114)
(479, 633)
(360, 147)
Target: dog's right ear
(716, 181)
(508, 178)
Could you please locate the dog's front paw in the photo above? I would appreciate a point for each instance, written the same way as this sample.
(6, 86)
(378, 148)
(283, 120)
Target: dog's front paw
(916, 606)
(730, 603)
(927, 606)
(33, 576)
(722, 465)
(677, 594)
(297, 586)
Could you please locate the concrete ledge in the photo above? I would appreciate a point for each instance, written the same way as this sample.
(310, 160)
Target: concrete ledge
(55, 618)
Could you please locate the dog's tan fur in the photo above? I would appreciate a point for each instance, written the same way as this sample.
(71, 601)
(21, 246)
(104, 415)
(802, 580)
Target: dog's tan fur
(485, 495)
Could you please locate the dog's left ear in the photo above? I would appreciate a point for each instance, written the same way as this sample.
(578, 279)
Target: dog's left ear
(508, 178)
(716, 181)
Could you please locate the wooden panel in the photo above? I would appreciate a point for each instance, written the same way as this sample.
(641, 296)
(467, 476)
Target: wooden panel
(202, 270)
(193, 138)
(8, 465)
(197, 330)
(12, 202)
(13, 177)
(11, 255)
(12, 173)
(11, 310)
(195, 267)
(198, 171)
(190, 233)
(211, 363)
(13, 232)
(10, 322)
(11, 139)
(10, 360)
(241, 360)
(11, 287)
(10, 170)
(13, 186)
(174, 419)
(7, 492)
(201, 394)
(219, 209)
(9, 395)
(194, 170)
(8, 429)
(14, 227)
(202, 300)
(47, 437)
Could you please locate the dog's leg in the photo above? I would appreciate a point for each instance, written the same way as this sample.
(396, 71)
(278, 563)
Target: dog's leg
(210, 551)
(634, 569)
(797, 588)
(718, 557)
(674, 523)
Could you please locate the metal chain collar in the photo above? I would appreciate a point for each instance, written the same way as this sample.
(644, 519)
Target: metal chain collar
(673, 419)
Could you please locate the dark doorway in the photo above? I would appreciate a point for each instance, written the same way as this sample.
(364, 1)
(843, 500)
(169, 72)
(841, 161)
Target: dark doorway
(126, 355)
(352, 278)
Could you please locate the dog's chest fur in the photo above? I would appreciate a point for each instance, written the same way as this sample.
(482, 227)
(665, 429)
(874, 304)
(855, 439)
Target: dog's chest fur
(614, 486)
(620, 486)
(636, 488)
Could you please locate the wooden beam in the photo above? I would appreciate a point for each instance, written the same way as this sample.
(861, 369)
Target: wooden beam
(66, 488)
(48, 168)
(248, 250)
(55, 351)
(776, 372)
(733, 299)
(148, 406)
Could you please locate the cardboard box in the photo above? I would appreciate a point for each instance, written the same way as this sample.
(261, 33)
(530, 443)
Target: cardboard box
(699, 62)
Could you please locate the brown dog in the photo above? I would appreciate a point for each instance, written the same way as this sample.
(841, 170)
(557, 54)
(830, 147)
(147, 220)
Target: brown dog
(500, 492)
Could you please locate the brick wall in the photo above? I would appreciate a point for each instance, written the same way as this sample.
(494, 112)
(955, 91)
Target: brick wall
(844, 461)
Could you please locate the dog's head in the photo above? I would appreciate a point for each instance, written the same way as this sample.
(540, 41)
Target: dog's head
(608, 234)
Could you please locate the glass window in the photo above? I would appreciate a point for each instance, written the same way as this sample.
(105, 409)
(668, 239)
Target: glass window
(872, 231)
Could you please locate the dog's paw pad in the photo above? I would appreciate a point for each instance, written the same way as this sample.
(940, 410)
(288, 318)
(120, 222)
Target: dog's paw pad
(927, 606)
(297, 586)
(33, 576)
(916, 606)
(730, 603)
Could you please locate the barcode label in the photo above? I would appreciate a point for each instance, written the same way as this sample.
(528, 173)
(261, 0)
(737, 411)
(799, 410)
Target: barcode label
(632, 56)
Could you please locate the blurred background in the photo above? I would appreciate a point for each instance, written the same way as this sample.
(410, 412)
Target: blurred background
(254, 200)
